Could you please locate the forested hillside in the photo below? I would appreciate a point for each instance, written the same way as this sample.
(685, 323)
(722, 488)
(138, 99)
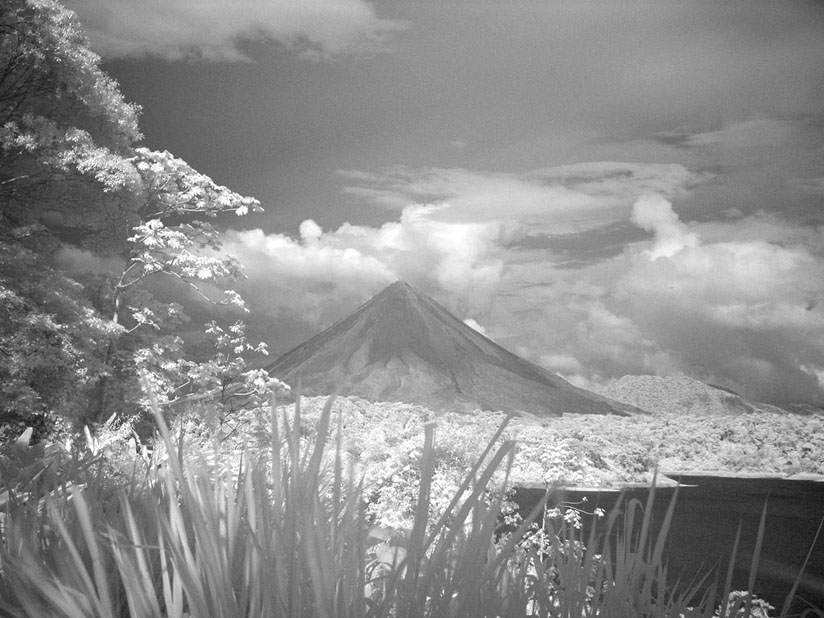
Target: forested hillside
(90, 221)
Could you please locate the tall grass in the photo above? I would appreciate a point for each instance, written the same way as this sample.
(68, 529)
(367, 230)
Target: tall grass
(288, 536)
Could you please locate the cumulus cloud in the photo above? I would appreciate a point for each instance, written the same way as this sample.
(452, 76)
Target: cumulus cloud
(740, 313)
(209, 30)
(737, 310)
(451, 237)
(313, 276)
(310, 232)
(654, 214)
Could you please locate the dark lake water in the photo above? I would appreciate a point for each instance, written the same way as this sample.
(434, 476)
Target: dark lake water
(707, 515)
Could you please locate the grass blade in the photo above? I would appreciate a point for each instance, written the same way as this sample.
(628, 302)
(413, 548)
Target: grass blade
(785, 609)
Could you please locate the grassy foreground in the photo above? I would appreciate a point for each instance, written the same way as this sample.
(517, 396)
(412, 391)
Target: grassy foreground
(288, 535)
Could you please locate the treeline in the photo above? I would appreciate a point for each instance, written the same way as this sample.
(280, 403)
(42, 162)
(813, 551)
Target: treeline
(88, 220)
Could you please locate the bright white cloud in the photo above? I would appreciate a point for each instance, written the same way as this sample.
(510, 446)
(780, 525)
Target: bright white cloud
(310, 232)
(306, 281)
(740, 312)
(314, 276)
(654, 214)
(743, 314)
(214, 29)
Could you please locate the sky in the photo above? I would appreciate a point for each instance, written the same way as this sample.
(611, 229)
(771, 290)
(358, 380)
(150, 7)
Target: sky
(605, 188)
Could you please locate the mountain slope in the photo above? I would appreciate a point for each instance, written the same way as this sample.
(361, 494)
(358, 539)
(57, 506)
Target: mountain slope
(403, 346)
(681, 395)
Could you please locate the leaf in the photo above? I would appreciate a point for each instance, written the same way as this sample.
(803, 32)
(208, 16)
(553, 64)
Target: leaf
(25, 437)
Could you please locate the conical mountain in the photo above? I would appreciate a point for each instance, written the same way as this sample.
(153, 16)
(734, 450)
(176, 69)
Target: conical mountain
(403, 346)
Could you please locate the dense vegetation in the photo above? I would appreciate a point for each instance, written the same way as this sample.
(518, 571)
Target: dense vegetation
(383, 441)
(288, 534)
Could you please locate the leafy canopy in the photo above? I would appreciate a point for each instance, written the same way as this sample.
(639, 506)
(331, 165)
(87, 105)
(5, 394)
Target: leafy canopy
(73, 175)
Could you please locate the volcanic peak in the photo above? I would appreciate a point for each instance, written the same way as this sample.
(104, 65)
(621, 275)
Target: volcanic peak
(403, 346)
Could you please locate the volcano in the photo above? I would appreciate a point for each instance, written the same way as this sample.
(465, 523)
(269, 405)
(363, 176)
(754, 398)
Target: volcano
(403, 346)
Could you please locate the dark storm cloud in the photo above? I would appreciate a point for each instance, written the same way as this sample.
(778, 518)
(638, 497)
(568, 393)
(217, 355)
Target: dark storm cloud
(582, 249)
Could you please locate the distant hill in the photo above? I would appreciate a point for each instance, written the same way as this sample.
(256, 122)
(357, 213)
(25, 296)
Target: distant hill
(682, 395)
(403, 346)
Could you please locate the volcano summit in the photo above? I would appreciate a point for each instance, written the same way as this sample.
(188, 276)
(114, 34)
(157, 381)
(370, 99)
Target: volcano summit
(403, 346)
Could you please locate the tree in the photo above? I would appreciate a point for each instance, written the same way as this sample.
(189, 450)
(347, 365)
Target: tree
(170, 239)
(221, 384)
(72, 173)
(65, 129)
(49, 340)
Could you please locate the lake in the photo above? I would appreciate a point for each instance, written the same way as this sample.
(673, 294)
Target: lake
(707, 515)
